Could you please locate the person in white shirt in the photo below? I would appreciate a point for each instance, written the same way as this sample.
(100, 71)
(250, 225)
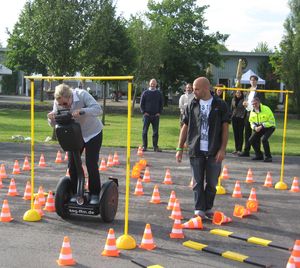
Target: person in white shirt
(184, 100)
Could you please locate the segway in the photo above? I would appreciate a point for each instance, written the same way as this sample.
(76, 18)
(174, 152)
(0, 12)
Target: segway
(68, 133)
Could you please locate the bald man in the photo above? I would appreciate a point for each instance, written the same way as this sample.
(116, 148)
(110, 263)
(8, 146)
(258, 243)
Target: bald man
(205, 130)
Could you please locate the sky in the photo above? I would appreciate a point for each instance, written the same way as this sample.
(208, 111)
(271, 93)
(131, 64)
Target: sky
(247, 22)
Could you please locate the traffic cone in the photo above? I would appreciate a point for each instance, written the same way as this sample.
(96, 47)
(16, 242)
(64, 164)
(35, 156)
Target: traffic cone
(240, 211)
(65, 256)
(193, 223)
(237, 190)
(26, 165)
(225, 175)
(110, 248)
(155, 199)
(58, 159)
(12, 190)
(177, 230)
(5, 215)
(167, 179)
(171, 201)
(3, 174)
(50, 205)
(138, 188)
(143, 163)
(296, 253)
(116, 161)
(110, 162)
(103, 166)
(146, 177)
(219, 218)
(252, 205)
(140, 151)
(66, 157)
(41, 196)
(291, 263)
(176, 211)
(37, 206)
(1, 184)
(249, 178)
(16, 168)
(295, 186)
(27, 192)
(42, 162)
(147, 241)
(136, 172)
(268, 180)
(252, 195)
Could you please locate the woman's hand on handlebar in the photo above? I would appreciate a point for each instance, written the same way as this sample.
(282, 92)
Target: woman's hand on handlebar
(51, 115)
(76, 113)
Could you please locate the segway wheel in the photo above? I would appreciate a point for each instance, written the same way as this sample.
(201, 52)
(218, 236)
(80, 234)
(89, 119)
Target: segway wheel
(109, 201)
(62, 196)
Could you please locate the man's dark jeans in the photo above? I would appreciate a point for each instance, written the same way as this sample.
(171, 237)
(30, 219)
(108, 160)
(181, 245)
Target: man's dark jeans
(264, 136)
(205, 169)
(154, 121)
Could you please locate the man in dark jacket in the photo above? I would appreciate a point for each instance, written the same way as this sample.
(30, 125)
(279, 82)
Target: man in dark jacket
(205, 130)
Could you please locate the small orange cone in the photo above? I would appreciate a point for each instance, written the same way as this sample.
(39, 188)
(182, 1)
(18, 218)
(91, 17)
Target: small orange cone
(66, 157)
(103, 166)
(146, 177)
(138, 188)
(225, 175)
(110, 162)
(167, 179)
(3, 174)
(219, 218)
(41, 196)
(1, 184)
(16, 169)
(110, 248)
(27, 192)
(116, 161)
(42, 162)
(37, 206)
(140, 151)
(143, 163)
(50, 206)
(291, 263)
(5, 215)
(252, 205)
(240, 211)
(268, 180)
(26, 165)
(252, 195)
(237, 190)
(12, 190)
(65, 256)
(295, 186)
(192, 182)
(155, 199)
(249, 178)
(147, 241)
(171, 201)
(58, 159)
(176, 211)
(193, 223)
(177, 230)
(296, 253)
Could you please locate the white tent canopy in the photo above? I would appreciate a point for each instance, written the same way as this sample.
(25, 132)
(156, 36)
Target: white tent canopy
(246, 78)
(4, 70)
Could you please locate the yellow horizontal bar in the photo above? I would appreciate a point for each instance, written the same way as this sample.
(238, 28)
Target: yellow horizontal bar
(258, 90)
(155, 266)
(234, 256)
(104, 78)
(259, 241)
(194, 245)
(220, 232)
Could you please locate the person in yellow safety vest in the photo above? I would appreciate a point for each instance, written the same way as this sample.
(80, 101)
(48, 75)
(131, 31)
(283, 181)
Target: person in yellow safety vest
(262, 122)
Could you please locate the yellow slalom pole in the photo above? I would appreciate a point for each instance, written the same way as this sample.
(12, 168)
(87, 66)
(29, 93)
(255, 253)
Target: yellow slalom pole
(281, 185)
(126, 241)
(32, 214)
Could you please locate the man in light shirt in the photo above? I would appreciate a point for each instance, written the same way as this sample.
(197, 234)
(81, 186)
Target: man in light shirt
(184, 100)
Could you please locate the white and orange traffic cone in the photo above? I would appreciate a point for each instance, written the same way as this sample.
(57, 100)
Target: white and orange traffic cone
(16, 168)
(295, 186)
(26, 165)
(110, 248)
(252, 205)
(37, 206)
(5, 215)
(12, 189)
(193, 223)
(116, 161)
(252, 195)
(177, 230)
(225, 175)
(291, 263)
(168, 179)
(296, 253)
(171, 201)
(155, 199)
(27, 192)
(240, 211)
(103, 166)
(138, 188)
(237, 190)
(58, 158)
(42, 162)
(176, 211)
(65, 257)
(140, 151)
(249, 177)
(147, 241)
(50, 204)
(268, 181)
(41, 196)
(3, 174)
(110, 162)
(219, 218)
(146, 176)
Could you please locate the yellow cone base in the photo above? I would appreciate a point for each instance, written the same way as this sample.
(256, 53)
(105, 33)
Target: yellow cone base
(221, 190)
(126, 242)
(281, 185)
(31, 215)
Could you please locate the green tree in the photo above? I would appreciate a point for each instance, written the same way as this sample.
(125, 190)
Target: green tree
(262, 47)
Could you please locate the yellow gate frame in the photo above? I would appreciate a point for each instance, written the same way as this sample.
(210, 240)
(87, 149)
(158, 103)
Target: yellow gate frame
(125, 241)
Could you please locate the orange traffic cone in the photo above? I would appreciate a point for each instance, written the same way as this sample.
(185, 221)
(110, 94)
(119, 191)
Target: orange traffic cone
(37, 206)
(171, 200)
(177, 230)
(110, 248)
(193, 223)
(58, 159)
(116, 161)
(176, 211)
(291, 263)
(12, 190)
(167, 179)
(155, 199)
(252, 195)
(138, 188)
(191, 185)
(50, 206)
(240, 211)
(140, 151)
(225, 175)
(26, 165)
(268, 180)
(5, 215)
(27, 192)
(42, 162)
(146, 177)
(252, 205)
(237, 190)
(66, 157)
(16, 168)
(103, 166)
(219, 218)
(110, 162)
(296, 253)
(41, 196)
(3, 174)
(143, 163)
(249, 178)
(65, 256)
(295, 186)
(147, 241)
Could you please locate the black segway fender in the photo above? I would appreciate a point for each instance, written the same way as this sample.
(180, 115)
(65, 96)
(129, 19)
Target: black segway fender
(62, 197)
(109, 197)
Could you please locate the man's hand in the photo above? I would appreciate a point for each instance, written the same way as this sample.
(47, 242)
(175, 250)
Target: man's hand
(76, 113)
(51, 115)
(179, 156)
(220, 156)
(259, 128)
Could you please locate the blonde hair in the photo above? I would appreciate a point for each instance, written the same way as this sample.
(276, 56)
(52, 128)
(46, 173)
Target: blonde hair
(62, 91)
